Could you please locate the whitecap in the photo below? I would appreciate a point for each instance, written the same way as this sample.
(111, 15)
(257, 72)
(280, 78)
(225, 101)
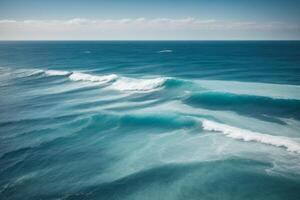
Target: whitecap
(250, 136)
(166, 51)
(132, 84)
(56, 73)
(78, 76)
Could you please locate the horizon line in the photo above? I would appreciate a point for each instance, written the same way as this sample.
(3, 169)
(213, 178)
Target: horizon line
(145, 40)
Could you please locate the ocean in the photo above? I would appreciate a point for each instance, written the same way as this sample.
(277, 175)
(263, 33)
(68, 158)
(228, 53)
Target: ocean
(150, 120)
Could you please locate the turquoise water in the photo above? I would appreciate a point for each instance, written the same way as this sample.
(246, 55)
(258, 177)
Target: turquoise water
(150, 120)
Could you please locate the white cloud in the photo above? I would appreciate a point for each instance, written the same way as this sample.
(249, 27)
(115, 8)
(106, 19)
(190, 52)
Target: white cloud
(7, 21)
(141, 28)
(78, 21)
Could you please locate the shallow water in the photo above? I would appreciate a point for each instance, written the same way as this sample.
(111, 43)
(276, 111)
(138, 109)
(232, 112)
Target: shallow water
(150, 120)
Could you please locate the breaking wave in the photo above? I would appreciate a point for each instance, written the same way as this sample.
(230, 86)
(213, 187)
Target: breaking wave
(132, 84)
(78, 76)
(117, 82)
(57, 73)
(249, 136)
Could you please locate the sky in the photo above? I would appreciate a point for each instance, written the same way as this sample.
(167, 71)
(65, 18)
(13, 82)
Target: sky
(150, 20)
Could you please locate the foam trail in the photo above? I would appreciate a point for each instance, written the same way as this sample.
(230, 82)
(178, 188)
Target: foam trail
(78, 76)
(131, 84)
(27, 72)
(245, 135)
(56, 73)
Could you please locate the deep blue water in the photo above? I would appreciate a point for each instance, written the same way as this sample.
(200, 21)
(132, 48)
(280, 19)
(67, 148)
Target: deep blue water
(150, 120)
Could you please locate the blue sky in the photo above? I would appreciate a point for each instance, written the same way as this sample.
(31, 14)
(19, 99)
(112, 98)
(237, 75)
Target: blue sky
(229, 19)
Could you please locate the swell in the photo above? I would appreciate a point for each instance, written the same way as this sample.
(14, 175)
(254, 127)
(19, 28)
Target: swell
(221, 176)
(92, 130)
(14, 158)
(205, 174)
(119, 82)
(246, 104)
(38, 139)
(123, 83)
(114, 81)
(41, 134)
(106, 121)
(35, 121)
(158, 121)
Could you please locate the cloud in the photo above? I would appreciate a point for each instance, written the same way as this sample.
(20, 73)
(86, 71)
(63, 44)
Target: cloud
(141, 28)
(7, 21)
(77, 21)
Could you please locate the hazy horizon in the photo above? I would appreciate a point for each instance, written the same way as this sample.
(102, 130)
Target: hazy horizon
(156, 20)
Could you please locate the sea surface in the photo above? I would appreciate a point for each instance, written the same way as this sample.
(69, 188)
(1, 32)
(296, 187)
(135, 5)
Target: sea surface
(178, 120)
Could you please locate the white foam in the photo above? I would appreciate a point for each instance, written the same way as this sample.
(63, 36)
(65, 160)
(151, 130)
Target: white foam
(165, 51)
(246, 135)
(132, 84)
(78, 76)
(56, 73)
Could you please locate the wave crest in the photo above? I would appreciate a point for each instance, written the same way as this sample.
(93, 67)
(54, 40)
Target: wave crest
(245, 135)
(131, 84)
(57, 73)
(78, 76)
